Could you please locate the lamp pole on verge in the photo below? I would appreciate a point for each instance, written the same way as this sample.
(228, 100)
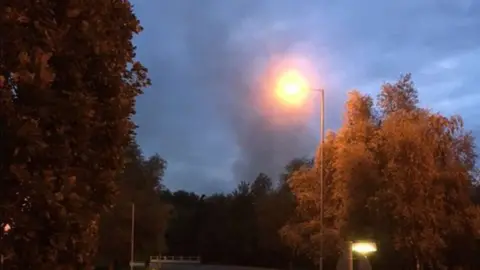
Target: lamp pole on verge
(293, 88)
(132, 239)
(320, 170)
(350, 255)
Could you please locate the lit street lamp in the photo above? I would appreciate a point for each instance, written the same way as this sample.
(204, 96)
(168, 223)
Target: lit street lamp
(363, 248)
(6, 229)
(293, 89)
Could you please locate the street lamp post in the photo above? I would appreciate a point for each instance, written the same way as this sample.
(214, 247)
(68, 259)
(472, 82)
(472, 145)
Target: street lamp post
(320, 170)
(350, 255)
(132, 239)
(293, 88)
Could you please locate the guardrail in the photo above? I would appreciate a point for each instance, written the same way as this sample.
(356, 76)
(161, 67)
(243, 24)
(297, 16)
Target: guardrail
(175, 259)
(170, 260)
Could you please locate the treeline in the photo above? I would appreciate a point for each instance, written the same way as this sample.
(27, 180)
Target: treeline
(140, 185)
(395, 173)
(240, 228)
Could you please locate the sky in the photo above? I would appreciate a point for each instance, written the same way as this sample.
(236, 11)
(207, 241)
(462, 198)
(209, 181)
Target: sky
(210, 111)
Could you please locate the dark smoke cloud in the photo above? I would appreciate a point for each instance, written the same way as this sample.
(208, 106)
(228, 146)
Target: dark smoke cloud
(231, 68)
(207, 111)
(223, 50)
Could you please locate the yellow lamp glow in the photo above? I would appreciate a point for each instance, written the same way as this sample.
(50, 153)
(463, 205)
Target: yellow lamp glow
(292, 88)
(364, 248)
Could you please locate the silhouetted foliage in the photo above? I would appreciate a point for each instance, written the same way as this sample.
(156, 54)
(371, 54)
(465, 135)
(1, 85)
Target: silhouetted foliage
(68, 82)
(239, 228)
(139, 184)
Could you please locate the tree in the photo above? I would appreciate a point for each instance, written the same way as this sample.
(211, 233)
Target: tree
(302, 231)
(425, 185)
(476, 186)
(68, 85)
(240, 228)
(426, 161)
(182, 234)
(139, 184)
(272, 210)
(402, 177)
(261, 186)
(355, 167)
(401, 95)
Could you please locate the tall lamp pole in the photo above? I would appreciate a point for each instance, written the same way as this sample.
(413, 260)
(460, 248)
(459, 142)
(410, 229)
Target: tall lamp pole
(292, 87)
(132, 239)
(320, 170)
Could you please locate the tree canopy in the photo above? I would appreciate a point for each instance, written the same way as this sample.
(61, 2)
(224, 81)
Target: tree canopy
(401, 175)
(68, 83)
(140, 184)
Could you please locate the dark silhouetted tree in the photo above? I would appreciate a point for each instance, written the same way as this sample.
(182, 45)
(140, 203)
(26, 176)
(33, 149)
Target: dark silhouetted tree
(68, 83)
(139, 184)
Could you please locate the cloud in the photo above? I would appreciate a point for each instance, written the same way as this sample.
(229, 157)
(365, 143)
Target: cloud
(211, 63)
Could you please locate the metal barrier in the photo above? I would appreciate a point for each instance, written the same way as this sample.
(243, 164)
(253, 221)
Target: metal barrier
(175, 259)
(159, 260)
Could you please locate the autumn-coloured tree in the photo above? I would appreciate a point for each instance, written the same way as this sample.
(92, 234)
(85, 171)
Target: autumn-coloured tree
(302, 232)
(425, 162)
(398, 96)
(356, 177)
(68, 82)
(402, 176)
